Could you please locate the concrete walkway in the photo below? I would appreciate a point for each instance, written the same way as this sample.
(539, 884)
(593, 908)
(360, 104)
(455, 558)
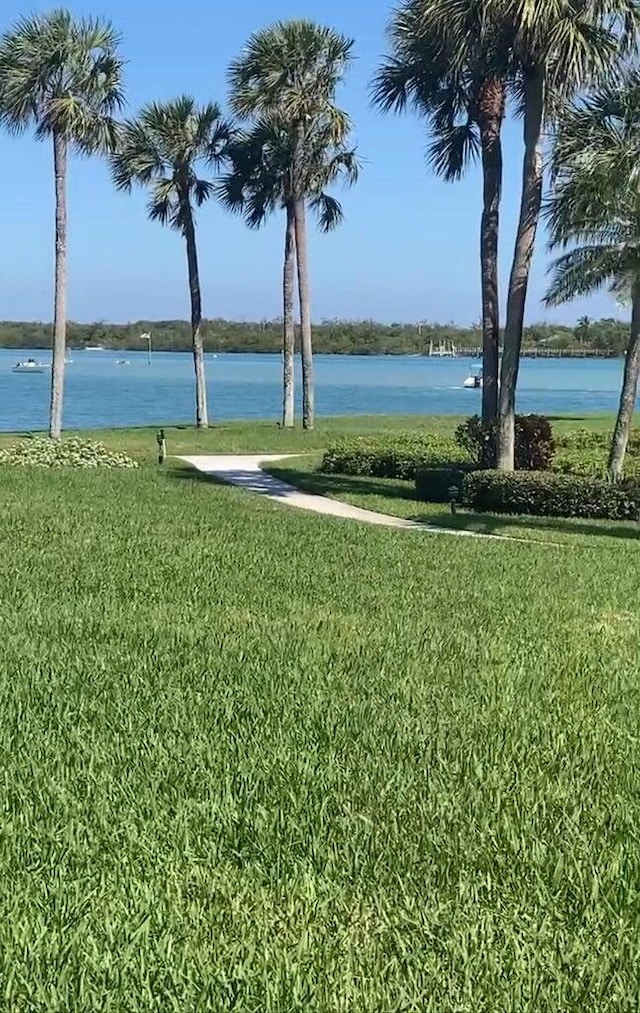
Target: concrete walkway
(245, 471)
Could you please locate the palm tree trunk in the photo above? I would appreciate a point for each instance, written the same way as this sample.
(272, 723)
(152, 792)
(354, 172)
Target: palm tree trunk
(629, 393)
(289, 336)
(491, 106)
(308, 406)
(531, 201)
(202, 417)
(60, 158)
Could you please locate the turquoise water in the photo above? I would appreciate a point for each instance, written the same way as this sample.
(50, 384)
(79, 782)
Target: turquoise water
(99, 392)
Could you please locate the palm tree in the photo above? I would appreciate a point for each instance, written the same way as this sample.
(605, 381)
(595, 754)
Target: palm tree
(594, 214)
(290, 72)
(450, 63)
(559, 46)
(163, 148)
(260, 183)
(62, 75)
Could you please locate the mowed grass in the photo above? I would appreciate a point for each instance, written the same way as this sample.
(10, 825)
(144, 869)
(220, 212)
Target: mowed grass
(258, 760)
(238, 437)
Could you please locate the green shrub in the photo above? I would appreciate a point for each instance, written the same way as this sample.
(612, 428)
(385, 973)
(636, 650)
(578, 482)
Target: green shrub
(582, 452)
(391, 455)
(591, 461)
(587, 439)
(69, 453)
(546, 494)
(583, 439)
(434, 485)
(534, 447)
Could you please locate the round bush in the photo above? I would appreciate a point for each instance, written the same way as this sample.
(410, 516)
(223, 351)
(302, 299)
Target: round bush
(71, 453)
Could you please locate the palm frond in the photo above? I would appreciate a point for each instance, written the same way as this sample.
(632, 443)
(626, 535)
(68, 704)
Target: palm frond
(449, 63)
(168, 143)
(64, 75)
(585, 270)
(453, 148)
(327, 210)
(291, 70)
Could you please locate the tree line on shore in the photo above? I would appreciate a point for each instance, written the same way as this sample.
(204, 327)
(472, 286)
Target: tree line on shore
(565, 68)
(606, 338)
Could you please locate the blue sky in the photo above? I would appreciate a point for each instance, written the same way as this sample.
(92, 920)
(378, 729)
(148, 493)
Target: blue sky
(407, 250)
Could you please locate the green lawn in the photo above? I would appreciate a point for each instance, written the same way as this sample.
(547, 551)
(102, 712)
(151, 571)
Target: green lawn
(258, 760)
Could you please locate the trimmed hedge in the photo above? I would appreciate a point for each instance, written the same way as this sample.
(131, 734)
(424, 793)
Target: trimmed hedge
(433, 485)
(534, 447)
(546, 494)
(391, 455)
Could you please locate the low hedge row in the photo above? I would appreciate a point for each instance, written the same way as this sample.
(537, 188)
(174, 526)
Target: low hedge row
(546, 494)
(391, 455)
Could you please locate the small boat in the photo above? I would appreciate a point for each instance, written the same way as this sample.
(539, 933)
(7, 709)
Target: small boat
(122, 362)
(474, 380)
(29, 366)
(94, 348)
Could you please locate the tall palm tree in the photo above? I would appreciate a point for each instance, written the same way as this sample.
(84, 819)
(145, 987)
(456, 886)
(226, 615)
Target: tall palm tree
(63, 76)
(450, 63)
(594, 214)
(559, 47)
(260, 183)
(291, 71)
(164, 148)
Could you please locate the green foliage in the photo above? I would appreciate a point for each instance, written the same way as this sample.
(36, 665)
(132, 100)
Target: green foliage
(291, 69)
(546, 494)
(63, 75)
(67, 453)
(592, 212)
(345, 337)
(260, 178)
(164, 149)
(586, 452)
(437, 485)
(391, 455)
(534, 448)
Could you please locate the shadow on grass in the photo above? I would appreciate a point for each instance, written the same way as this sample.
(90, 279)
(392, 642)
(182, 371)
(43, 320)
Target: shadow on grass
(186, 471)
(490, 524)
(327, 485)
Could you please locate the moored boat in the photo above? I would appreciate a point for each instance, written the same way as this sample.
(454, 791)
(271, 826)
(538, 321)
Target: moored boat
(29, 366)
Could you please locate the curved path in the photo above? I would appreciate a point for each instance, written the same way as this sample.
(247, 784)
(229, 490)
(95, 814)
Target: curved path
(245, 471)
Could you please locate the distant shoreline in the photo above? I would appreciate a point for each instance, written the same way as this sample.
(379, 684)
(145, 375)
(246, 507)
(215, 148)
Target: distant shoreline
(463, 353)
(607, 338)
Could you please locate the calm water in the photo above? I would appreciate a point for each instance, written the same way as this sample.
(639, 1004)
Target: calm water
(99, 392)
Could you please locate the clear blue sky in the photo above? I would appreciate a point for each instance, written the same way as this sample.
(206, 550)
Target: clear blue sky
(407, 250)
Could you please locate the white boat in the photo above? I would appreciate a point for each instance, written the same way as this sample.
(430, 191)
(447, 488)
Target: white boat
(94, 348)
(29, 366)
(474, 381)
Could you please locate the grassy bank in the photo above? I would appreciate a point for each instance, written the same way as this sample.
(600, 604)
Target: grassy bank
(258, 760)
(251, 436)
